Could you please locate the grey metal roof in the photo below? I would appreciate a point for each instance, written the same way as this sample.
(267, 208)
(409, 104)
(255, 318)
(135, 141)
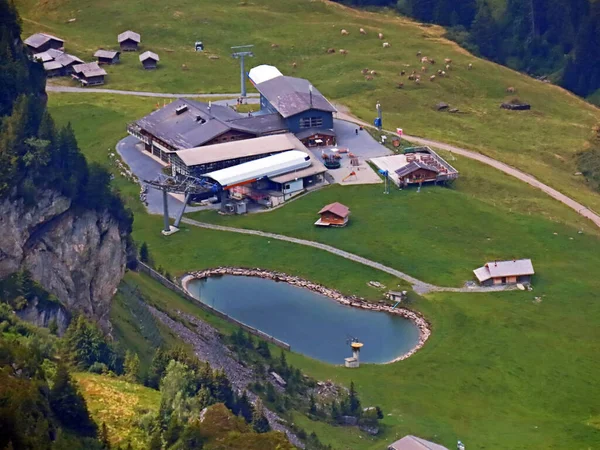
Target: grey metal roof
(290, 96)
(238, 149)
(411, 442)
(266, 123)
(89, 70)
(129, 35)
(38, 39)
(52, 65)
(57, 57)
(316, 167)
(198, 124)
(415, 165)
(149, 55)
(66, 59)
(510, 268)
(43, 57)
(106, 54)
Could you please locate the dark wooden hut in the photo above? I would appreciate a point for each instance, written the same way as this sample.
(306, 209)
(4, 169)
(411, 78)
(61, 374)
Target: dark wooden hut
(129, 41)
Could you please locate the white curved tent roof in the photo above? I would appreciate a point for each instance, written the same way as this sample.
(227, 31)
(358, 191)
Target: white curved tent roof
(263, 73)
(270, 166)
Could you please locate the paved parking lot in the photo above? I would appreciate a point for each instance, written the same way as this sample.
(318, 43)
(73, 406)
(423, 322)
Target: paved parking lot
(361, 145)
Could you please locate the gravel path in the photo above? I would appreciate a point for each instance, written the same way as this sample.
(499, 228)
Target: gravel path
(52, 88)
(419, 286)
(509, 170)
(208, 347)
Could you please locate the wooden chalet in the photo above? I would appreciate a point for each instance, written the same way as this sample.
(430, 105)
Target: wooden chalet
(57, 63)
(333, 215)
(149, 60)
(107, 56)
(129, 41)
(90, 74)
(505, 272)
(40, 42)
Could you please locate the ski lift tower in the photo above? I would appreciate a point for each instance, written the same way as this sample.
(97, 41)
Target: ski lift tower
(240, 52)
(178, 185)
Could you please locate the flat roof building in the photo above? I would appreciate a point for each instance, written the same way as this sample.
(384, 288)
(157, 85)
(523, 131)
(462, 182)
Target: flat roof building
(505, 272)
(416, 166)
(201, 160)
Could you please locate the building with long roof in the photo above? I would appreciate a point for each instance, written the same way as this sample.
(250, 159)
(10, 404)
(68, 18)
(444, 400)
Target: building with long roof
(40, 42)
(188, 124)
(505, 272)
(306, 111)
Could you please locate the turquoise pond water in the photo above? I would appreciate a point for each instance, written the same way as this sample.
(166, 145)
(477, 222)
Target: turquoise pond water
(311, 323)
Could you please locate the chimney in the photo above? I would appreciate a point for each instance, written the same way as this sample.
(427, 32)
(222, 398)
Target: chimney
(209, 105)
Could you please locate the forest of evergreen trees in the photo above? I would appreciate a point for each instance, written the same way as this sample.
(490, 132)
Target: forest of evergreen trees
(540, 37)
(35, 154)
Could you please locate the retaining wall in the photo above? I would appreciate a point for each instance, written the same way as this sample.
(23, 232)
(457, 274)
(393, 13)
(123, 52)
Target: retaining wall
(179, 290)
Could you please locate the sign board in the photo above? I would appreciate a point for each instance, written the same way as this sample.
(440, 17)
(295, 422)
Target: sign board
(399, 131)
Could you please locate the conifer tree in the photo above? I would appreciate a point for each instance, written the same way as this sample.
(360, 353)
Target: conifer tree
(260, 424)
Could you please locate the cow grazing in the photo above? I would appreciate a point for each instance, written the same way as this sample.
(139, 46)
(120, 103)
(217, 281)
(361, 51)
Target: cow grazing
(345, 33)
(380, 35)
(362, 31)
(432, 78)
(386, 45)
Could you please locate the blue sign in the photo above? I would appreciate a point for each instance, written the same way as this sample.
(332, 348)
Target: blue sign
(383, 172)
(377, 122)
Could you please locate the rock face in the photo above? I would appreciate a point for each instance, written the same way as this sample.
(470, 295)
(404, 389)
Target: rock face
(77, 255)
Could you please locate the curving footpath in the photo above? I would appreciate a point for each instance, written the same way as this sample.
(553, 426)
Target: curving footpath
(532, 181)
(509, 170)
(420, 287)
(78, 90)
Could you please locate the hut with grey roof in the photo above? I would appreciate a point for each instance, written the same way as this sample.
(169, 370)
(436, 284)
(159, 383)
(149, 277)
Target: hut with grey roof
(40, 42)
(90, 74)
(149, 60)
(57, 63)
(107, 56)
(129, 41)
(505, 272)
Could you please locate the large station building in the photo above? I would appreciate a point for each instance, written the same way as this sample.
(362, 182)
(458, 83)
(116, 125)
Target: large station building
(304, 110)
(186, 124)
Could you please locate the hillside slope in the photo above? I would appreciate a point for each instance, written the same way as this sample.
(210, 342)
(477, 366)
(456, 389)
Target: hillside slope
(542, 141)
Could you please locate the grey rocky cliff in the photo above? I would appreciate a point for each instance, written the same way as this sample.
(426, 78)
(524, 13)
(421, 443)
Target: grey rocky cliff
(77, 255)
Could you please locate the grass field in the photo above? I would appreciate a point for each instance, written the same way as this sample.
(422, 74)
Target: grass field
(500, 371)
(118, 403)
(542, 142)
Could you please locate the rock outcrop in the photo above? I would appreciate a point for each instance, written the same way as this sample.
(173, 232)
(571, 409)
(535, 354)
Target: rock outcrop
(76, 254)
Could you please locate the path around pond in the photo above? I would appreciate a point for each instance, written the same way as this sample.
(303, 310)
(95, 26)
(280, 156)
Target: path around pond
(420, 287)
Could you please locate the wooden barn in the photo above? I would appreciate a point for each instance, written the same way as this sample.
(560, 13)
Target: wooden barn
(107, 56)
(505, 272)
(57, 63)
(40, 42)
(90, 74)
(129, 41)
(149, 60)
(333, 215)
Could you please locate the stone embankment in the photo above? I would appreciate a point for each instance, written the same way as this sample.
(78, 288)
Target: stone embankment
(356, 302)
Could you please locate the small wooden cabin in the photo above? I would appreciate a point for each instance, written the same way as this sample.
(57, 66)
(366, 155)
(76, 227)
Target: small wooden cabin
(41, 42)
(107, 56)
(333, 215)
(90, 74)
(149, 60)
(129, 41)
(505, 272)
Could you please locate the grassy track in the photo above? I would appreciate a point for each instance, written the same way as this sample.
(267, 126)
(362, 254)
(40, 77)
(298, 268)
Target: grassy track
(500, 371)
(542, 142)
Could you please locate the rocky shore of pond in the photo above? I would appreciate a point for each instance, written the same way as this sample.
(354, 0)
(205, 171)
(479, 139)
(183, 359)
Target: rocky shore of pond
(353, 301)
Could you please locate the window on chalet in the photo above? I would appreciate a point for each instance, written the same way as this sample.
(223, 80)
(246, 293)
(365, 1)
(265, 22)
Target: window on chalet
(311, 122)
